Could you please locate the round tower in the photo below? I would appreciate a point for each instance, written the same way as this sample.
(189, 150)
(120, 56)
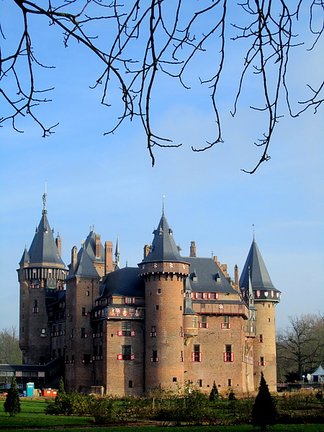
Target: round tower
(164, 273)
(41, 273)
(266, 296)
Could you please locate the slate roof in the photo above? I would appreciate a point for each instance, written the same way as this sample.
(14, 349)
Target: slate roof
(85, 265)
(123, 282)
(206, 276)
(25, 257)
(43, 250)
(86, 258)
(260, 278)
(163, 245)
(90, 247)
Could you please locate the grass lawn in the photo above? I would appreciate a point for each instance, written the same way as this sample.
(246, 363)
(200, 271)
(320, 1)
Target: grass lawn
(32, 418)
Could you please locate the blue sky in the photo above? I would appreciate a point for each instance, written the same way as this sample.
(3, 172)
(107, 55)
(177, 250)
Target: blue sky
(108, 181)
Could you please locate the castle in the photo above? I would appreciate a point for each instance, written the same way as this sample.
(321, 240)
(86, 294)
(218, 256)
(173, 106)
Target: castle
(170, 322)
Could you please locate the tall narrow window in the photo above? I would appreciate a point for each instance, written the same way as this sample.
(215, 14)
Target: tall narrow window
(261, 338)
(262, 362)
(126, 352)
(196, 354)
(83, 333)
(154, 357)
(35, 307)
(226, 322)
(153, 331)
(228, 354)
(203, 323)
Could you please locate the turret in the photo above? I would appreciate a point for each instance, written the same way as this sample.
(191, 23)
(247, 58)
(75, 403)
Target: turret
(164, 272)
(41, 274)
(257, 287)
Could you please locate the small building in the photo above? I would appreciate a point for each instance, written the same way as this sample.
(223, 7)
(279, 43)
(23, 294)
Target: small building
(318, 375)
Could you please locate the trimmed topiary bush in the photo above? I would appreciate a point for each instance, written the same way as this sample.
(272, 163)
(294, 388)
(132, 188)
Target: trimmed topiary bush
(264, 411)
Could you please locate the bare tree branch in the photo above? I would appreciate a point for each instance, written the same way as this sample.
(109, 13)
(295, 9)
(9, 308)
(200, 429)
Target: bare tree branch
(154, 38)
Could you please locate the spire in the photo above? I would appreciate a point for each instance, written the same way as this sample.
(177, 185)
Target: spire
(117, 255)
(163, 245)
(25, 257)
(43, 249)
(255, 271)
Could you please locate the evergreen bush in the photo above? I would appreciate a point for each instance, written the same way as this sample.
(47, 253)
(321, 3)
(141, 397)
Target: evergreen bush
(214, 393)
(264, 411)
(12, 403)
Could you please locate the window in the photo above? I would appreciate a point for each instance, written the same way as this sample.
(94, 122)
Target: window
(229, 382)
(87, 293)
(181, 356)
(261, 362)
(228, 354)
(83, 333)
(154, 357)
(126, 353)
(196, 354)
(200, 382)
(157, 307)
(226, 323)
(129, 300)
(261, 338)
(126, 329)
(153, 331)
(35, 307)
(159, 291)
(130, 384)
(174, 379)
(203, 323)
(86, 359)
(84, 313)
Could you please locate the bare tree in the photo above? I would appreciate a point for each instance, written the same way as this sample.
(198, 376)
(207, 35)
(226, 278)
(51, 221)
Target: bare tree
(9, 347)
(138, 42)
(300, 348)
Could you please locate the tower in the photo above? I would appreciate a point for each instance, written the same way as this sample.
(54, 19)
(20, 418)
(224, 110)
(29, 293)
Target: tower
(41, 275)
(266, 296)
(164, 273)
(87, 268)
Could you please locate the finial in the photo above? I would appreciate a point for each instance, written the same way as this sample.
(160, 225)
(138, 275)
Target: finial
(253, 230)
(163, 204)
(44, 202)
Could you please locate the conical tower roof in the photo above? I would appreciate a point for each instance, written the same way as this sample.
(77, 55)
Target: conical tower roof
(25, 258)
(43, 250)
(256, 273)
(163, 245)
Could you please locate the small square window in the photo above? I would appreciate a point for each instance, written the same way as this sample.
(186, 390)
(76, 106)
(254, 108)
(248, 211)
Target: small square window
(174, 379)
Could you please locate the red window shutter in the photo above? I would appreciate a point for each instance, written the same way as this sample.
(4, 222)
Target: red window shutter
(200, 356)
(232, 357)
(225, 357)
(132, 333)
(119, 356)
(207, 325)
(200, 324)
(132, 356)
(119, 333)
(192, 356)
(216, 296)
(222, 325)
(229, 325)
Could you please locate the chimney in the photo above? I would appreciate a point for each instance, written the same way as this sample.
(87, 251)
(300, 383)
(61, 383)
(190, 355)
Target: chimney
(193, 249)
(236, 276)
(74, 258)
(58, 243)
(109, 265)
(147, 249)
(97, 246)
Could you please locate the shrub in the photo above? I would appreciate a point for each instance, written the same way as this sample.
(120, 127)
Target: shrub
(103, 411)
(264, 412)
(12, 403)
(214, 393)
